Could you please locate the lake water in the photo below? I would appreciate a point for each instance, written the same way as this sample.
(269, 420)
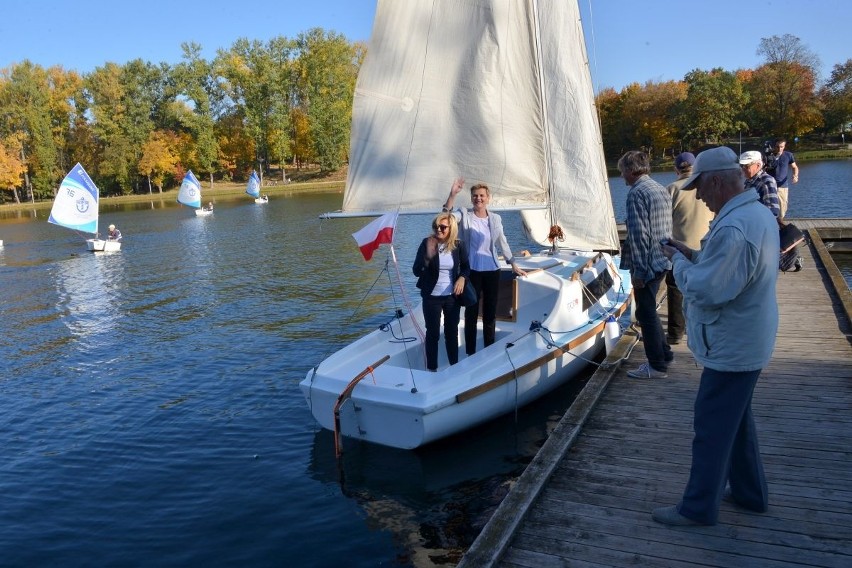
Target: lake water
(152, 414)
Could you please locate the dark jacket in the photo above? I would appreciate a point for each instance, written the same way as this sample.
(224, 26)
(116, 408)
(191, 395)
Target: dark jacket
(426, 270)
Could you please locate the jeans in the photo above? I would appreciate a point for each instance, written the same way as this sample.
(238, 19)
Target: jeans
(657, 349)
(724, 448)
(677, 321)
(487, 285)
(433, 307)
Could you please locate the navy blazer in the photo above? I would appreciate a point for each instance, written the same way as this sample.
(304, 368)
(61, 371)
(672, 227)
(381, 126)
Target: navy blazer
(427, 270)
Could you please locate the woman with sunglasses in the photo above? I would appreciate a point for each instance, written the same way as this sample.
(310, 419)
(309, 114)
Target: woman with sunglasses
(441, 267)
(482, 233)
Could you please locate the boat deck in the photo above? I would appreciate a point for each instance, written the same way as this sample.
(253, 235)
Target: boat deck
(623, 448)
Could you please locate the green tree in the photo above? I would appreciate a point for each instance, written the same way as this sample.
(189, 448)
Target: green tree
(836, 98)
(196, 82)
(252, 72)
(67, 104)
(124, 100)
(617, 135)
(713, 105)
(327, 66)
(25, 104)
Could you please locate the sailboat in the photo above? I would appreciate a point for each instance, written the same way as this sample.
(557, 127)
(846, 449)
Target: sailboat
(189, 194)
(253, 189)
(76, 207)
(499, 92)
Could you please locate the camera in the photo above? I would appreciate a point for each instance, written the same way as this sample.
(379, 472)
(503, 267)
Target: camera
(769, 158)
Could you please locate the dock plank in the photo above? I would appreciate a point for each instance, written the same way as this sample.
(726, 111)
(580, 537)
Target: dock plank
(586, 499)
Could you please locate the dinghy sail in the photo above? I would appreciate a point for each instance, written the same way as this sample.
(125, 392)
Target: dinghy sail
(253, 188)
(189, 194)
(76, 207)
(497, 92)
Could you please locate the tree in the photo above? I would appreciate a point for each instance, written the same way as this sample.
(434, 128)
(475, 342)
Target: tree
(124, 100)
(195, 80)
(67, 105)
(237, 152)
(617, 135)
(327, 66)
(24, 98)
(783, 90)
(712, 106)
(654, 106)
(159, 158)
(12, 168)
(257, 80)
(836, 98)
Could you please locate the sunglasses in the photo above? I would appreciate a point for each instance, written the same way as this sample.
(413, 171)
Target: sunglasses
(441, 227)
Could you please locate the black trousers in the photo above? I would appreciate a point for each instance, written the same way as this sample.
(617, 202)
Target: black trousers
(487, 285)
(676, 320)
(433, 307)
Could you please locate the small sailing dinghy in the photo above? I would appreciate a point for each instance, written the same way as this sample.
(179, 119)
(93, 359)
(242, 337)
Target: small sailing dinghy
(253, 189)
(75, 207)
(499, 92)
(189, 194)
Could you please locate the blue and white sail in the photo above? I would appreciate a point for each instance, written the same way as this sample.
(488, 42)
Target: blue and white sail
(190, 191)
(253, 186)
(76, 203)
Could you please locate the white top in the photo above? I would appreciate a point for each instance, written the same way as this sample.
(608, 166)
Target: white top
(481, 258)
(444, 286)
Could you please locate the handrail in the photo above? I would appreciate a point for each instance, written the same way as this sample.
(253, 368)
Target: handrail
(347, 393)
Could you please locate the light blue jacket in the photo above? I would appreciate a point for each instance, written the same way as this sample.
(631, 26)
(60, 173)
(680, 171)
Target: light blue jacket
(729, 288)
(495, 226)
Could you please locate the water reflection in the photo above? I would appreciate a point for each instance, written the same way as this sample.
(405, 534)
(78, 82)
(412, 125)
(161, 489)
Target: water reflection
(436, 499)
(88, 295)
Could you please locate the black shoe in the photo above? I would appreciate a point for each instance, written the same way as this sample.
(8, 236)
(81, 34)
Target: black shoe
(673, 340)
(799, 264)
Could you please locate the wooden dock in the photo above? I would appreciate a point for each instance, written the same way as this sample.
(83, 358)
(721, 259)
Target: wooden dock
(624, 448)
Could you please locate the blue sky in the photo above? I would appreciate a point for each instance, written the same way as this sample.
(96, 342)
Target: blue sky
(628, 41)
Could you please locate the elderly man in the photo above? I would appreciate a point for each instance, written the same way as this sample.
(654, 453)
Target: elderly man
(729, 295)
(649, 220)
(752, 165)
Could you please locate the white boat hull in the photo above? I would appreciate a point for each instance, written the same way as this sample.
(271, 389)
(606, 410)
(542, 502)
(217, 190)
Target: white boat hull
(261, 200)
(100, 245)
(400, 404)
(203, 212)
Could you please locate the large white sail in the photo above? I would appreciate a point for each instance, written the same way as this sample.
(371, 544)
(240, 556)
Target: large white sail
(496, 91)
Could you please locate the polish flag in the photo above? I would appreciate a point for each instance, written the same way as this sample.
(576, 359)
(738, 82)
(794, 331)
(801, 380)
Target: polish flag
(377, 232)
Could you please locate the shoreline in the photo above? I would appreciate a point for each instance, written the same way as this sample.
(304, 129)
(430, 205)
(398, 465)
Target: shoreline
(221, 189)
(231, 188)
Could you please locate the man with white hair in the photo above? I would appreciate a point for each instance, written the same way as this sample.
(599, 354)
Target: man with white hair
(767, 188)
(732, 315)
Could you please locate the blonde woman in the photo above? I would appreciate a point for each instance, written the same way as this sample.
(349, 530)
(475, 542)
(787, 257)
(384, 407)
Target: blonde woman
(483, 237)
(441, 267)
